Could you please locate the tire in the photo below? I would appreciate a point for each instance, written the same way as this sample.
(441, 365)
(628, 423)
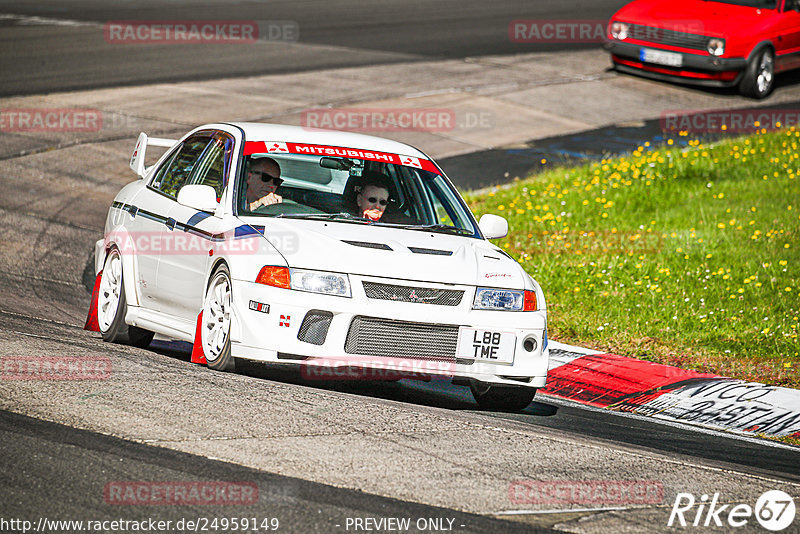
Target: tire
(215, 334)
(505, 398)
(759, 76)
(112, 306)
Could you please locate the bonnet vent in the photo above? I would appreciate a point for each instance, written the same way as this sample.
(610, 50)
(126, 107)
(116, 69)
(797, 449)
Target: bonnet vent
(367, 244)
(433, 251)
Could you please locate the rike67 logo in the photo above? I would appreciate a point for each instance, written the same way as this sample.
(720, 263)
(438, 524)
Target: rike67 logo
(774, 510)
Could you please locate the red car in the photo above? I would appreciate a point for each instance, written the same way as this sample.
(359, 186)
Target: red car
(708, 42)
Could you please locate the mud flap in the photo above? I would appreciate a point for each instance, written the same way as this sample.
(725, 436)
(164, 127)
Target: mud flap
(91, 320)
(198, 356)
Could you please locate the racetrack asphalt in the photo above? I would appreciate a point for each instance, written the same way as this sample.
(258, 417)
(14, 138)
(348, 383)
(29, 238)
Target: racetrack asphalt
(61, 473)
(38, 57)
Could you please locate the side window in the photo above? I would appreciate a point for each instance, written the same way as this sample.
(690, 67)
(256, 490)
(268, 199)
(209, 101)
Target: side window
(442, 215)
(213, 168)
(175, 172)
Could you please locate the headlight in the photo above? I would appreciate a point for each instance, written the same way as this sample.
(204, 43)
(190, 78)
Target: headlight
(504, 299)
(320, 282)
(305, 280)
(619, 30)
(716, 47)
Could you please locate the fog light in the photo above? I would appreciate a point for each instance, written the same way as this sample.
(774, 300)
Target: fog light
(716, 47)
(529, 344)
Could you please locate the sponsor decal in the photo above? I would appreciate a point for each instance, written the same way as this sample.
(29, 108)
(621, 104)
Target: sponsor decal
(285, 320)
(411, 162)
(774, 510)
(497, 275)
(587, 492)
(279, 148)
(266, 147)
(180, 493)
(259, 306)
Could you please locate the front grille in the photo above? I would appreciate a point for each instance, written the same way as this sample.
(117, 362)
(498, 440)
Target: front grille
(401, 339)
(419, 295)
(663, 36)
(314, 328)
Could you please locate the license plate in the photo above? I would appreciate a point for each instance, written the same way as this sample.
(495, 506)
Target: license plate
(659, 56)
(486, 345)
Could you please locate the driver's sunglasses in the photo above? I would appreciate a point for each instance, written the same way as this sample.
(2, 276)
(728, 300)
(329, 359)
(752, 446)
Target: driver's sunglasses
(266, 177)
(375, 200)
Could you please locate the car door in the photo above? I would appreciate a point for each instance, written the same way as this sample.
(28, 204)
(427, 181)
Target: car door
(160, 201)
(788, 45)
(182, 272)
(147, 216)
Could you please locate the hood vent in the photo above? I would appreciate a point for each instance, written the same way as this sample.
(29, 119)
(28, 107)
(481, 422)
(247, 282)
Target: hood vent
(367, 244)
(432, 251)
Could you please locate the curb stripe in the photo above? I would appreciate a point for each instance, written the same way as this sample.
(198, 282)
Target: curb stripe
(626, 384)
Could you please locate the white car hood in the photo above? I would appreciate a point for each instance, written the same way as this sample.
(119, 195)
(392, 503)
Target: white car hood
(361, 249)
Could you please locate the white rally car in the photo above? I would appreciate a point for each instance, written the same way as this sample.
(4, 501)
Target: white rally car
(311, 278)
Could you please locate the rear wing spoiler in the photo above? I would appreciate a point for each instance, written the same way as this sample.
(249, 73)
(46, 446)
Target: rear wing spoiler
(137, 159)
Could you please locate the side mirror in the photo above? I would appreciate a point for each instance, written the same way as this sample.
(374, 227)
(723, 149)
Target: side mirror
(493, 226)
(199, 197)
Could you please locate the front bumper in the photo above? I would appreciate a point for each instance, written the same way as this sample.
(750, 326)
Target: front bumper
(410, 338)
(696, 69)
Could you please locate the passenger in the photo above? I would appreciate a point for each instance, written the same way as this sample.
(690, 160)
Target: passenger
(372, 196)
(263, 179)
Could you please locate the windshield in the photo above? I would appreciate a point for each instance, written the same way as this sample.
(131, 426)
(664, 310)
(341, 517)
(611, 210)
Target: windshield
(348, 190)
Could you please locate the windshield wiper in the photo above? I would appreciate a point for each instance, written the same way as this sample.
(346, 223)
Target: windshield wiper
(343, 216)
(443, 228)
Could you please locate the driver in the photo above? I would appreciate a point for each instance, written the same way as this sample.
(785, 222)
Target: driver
(263, 179)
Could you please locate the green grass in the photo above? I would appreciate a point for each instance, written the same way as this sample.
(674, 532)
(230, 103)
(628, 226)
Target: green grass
(683, 256)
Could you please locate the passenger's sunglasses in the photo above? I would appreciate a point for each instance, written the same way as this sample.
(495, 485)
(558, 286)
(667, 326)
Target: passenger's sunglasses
(266, 177)
(375, 200)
